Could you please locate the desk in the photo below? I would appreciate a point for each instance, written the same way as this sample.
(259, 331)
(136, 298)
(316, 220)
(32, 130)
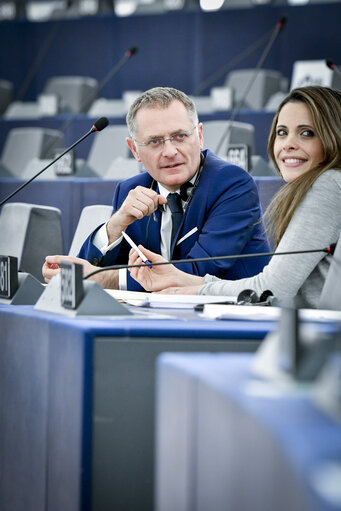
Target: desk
(229, 442)
(77, 404)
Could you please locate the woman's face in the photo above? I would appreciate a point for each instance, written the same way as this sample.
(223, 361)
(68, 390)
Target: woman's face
(297, 148)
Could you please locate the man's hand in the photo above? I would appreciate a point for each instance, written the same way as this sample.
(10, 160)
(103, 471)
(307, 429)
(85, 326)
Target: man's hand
(107, 279)
(139, 203)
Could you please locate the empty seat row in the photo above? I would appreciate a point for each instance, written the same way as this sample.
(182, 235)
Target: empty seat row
(29, 150)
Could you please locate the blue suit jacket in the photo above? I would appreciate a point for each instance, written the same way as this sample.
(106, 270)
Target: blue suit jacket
(225, 210)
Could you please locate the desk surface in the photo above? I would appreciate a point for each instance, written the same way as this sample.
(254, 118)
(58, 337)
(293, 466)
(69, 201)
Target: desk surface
(193, 327)
(285, 453)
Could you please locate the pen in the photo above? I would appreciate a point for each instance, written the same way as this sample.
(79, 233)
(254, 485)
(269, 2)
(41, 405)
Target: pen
(133, 245)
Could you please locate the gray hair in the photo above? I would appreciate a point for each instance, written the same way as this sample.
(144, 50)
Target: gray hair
(159, 97)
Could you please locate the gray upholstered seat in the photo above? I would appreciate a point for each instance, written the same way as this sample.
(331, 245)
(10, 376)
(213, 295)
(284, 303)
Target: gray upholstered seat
(90, 218)
(106, 147)
(76, 93)
(234, 133)
(30, 233)
(264, 84)
(24, 144)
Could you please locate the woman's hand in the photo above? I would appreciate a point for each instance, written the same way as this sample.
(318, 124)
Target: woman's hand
(160, 277)
(51, 266)
(186, 290)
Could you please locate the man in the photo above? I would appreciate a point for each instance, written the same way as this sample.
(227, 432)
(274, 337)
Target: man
(219, 211)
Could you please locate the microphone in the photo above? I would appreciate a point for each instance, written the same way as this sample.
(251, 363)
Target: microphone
(99, 125)
(279, 26)
(333, 67)
(329, 250)
(128, 54)
(231, 64)
(113, 71)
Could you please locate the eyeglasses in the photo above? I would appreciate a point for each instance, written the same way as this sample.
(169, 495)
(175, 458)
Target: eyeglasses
(177, 139)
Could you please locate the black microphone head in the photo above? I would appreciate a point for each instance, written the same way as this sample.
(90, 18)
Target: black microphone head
(330, 64)
(132, 50)
(282, 21)
(100, 124)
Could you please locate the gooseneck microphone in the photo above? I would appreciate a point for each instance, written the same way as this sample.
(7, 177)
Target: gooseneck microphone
(128, 54)
(231, 64)
(99, 125)
(333, 67)
(329, 250)
(279, 26)
(112, 72)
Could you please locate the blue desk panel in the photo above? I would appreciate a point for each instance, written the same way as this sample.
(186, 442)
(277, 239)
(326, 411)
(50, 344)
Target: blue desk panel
(77, 404)
(227, 440)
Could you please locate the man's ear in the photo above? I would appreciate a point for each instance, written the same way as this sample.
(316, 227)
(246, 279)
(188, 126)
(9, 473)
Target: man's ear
(201, 136)
(133, 148)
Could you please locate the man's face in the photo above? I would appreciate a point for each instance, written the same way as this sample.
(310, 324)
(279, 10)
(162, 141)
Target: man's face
(175, 161)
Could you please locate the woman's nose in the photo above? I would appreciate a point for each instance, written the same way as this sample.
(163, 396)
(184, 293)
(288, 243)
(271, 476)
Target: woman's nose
(290, 142)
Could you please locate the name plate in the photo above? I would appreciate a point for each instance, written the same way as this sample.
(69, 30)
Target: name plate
(238, 154)
(8, 276)
(71, 285)
(66, 165)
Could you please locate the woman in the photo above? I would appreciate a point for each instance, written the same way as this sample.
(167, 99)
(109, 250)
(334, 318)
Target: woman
(305, 146)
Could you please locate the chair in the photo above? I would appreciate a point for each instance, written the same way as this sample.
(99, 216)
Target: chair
(123, 168)
(90, 218)
(264, 84)
(108, 146)
(203, 104)
(6, 94)
(24, 144)
(37, 164)
(260, 167)
(108, 108)
(23, 110)
(30, 233)
(76, 93)
(236, 133)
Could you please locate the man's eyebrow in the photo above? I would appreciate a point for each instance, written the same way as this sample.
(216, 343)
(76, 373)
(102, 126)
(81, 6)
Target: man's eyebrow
(180, 130)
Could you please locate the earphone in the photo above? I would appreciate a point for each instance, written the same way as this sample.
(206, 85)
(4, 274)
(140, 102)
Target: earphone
(250, 297)
(187, 192)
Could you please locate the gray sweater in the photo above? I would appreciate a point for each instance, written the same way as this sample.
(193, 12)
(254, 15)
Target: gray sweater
(316, 223)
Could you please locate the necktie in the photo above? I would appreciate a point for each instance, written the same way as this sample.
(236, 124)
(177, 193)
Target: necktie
(174, 203)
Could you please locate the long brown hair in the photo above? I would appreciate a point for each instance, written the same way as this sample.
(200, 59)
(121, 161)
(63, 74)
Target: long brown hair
(324, 105)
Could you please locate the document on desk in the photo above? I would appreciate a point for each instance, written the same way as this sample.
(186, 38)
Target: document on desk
(162, 301)
(261, 313)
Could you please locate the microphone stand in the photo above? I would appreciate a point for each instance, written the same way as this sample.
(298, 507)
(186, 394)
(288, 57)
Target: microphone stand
(93, 129)
(328, 250)
(113, 71)
(232, 63)
(276, 31)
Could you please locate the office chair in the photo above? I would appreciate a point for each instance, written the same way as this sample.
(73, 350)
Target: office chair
(265, 84)
(90, 218)
(30, 233)
(24, 144)
(76, 93)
